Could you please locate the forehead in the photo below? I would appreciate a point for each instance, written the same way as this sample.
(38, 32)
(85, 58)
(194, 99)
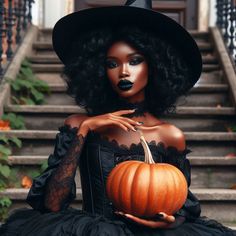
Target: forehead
(121, 48)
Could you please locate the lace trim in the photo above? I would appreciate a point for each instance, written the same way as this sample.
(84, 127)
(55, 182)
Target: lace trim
(160, 153)
(59, 185)
(134, 147)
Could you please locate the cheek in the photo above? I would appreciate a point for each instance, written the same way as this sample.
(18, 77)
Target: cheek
(142, 72)
(111, 75)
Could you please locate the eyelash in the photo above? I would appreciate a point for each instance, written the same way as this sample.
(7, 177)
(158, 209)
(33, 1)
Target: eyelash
(134, 61)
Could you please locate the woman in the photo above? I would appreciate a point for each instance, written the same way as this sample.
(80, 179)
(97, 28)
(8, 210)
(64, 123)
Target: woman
(110, 71)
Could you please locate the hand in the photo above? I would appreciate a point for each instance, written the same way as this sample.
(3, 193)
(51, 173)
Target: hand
(164, 220)
(114, 118)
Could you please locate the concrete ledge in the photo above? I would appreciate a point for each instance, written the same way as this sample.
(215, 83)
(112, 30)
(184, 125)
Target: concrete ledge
(201, 194)
(23, 50)
(190, 136)
(44, 109)
(198, 88)
(212, 111)
(215, 194)
(225, 60)
(194, 160)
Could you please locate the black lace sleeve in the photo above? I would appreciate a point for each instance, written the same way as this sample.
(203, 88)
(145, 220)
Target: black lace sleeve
(191, 210)
(55, 188)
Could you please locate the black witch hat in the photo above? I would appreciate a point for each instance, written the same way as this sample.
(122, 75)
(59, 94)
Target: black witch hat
(136, 12)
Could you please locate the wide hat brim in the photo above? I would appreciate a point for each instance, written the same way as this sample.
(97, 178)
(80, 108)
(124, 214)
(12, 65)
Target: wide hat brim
(70, 27)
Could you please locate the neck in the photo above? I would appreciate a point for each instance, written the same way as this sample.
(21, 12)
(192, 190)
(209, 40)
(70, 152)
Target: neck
(140, 107)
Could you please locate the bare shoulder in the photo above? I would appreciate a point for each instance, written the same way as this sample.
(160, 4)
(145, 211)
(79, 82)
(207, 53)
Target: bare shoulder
(75, 120)
(173, 136)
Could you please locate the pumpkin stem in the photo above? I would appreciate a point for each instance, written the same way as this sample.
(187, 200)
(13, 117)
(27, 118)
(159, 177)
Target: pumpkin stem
(147, 152)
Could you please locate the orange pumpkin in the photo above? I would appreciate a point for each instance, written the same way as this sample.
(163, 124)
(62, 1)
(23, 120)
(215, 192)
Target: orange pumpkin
(146, 188)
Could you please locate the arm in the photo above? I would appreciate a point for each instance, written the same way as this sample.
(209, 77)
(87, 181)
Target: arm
(62, 180)
(177, 156)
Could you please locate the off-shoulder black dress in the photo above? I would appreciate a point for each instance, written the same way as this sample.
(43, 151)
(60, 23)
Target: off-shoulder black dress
(97, 159)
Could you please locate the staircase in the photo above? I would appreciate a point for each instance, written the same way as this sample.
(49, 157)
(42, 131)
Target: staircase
(204, 116)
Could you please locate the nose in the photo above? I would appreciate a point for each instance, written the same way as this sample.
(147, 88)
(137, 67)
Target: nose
(124, 72)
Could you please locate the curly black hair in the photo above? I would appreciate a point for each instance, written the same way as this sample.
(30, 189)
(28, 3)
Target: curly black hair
(85, 72)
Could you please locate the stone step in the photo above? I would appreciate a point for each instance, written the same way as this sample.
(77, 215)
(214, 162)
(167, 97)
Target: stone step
(190, 136)
(207, 172)
(209, 119)
(196, 34)
(53, 59)
(201, 95)
(51, 78)
(218, 204)
(199, 161)
(41, 142)
(226, 111)
(198, 88)
(213, 77)
(47, 121)
(200, 99)
(52, 68)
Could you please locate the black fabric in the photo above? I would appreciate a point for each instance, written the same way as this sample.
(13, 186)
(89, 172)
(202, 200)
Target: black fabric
(71, 27)
(97, 159)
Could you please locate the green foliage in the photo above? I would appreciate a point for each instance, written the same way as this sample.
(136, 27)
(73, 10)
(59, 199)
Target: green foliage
(5, 171)
(16, 121)
(44, 165)
(27, 89)
(233, 128)
(5, 203)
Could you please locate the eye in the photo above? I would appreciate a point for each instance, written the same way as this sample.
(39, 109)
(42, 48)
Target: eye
(136, 60)
(111, 64)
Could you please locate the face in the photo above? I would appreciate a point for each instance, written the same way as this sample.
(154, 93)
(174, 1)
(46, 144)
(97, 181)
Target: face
(127, 71)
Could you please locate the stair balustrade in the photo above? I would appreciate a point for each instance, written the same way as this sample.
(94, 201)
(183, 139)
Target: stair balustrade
(15, 17)
(226, 22)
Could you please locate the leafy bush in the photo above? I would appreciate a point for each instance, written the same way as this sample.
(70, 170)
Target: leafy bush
(26, 88)
(16, 121)
(5, 171)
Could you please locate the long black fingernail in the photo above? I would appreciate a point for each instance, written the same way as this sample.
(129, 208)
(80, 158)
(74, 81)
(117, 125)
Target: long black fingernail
(160, 215)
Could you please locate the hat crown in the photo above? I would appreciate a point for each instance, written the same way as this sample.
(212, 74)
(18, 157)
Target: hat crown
(147, 4)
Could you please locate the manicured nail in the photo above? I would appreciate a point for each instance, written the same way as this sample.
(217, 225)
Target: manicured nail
(140, 122)
(160, 215)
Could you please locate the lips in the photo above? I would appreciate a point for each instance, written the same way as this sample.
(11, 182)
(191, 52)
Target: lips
(125, 85)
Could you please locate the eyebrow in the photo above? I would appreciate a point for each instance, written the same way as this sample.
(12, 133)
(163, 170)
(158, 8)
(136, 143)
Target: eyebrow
(131, 54)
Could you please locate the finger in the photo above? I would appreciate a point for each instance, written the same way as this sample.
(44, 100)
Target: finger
(166, 217)
(122, 112)
(149, 223)
(119, 213)
(129, 126)
(133, 122)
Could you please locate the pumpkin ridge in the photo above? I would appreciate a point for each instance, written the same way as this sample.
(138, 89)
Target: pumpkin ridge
(183, 194)
(149, 187)
(124, 176)
(127, 165)
(113, 185)
(173, 187)
(132, 190)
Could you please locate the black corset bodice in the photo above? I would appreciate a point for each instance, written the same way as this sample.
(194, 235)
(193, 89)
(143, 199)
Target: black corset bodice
(98, 157)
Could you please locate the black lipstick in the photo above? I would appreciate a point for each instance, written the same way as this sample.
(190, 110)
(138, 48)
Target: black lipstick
(125, 84)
